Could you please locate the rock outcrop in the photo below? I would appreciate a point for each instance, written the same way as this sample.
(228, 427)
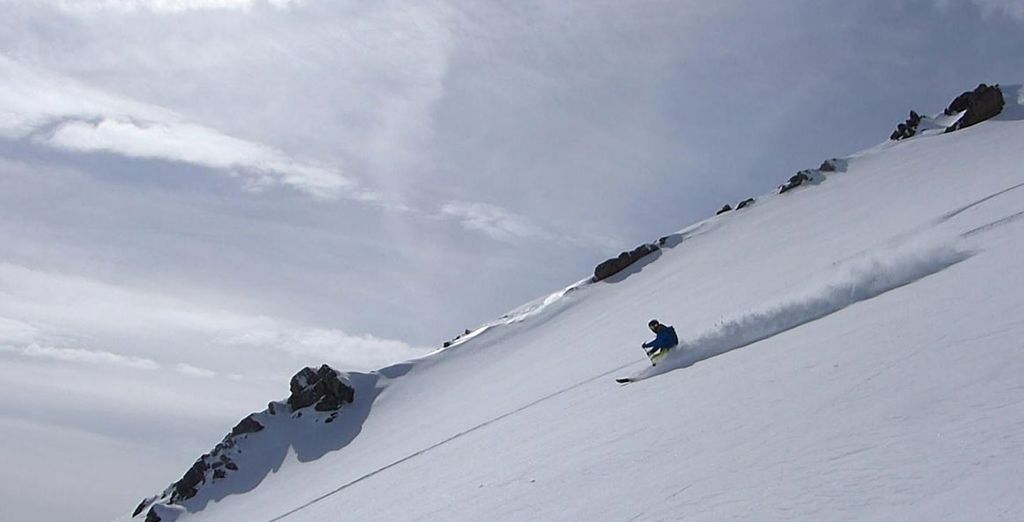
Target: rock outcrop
(745, 203)
(908, 128)
(615, 265)
(795, 181)
(833, 165)
(324, 390)
(724, 209)
(982, 103)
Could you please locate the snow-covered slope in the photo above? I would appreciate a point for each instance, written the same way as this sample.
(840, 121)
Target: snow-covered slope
(852, 350)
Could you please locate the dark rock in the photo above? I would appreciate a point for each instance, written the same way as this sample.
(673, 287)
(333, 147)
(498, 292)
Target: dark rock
(323, 387)
(142, 505)
(798, 179)
(662, 240)
(615, 265)
(246, 425)
(834, 165)
(908, 128)
(961, 102)
(978, 105)
(467, 332)
(274, 406)
(185, 488)
(447, 344)
(745, 203)
(302, 380)
(723, 210)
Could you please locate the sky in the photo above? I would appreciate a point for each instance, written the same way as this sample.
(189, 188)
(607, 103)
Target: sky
(199, 197)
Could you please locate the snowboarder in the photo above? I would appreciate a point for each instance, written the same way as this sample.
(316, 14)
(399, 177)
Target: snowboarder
(666, 340)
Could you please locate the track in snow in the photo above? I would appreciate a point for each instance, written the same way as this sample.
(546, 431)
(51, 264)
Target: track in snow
(446, 441)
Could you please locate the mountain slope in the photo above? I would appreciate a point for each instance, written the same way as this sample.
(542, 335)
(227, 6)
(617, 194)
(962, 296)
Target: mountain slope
(851, 351)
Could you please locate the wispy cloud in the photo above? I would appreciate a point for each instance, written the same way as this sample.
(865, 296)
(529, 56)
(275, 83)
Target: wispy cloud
(501, 224)
(80, 355)
(58, 112)
(50, 315)
(166, 6)
(325, 344)
(194, 371)
(16, 332)
(1011, 8)
(494, 221)
(179, 141)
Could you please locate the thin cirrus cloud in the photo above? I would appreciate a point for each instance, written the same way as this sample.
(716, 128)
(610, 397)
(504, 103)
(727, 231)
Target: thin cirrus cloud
(329, 344)
(194, 371)
(501, 224)
(58, 317)
(493, 221)
(166, 6)
(57, 112)
(1011, 8)
(80, 355)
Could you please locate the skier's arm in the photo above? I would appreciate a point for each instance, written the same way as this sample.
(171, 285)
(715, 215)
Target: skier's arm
(663, 340)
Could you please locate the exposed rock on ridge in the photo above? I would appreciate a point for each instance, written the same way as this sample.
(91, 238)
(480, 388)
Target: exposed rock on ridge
(325, 390)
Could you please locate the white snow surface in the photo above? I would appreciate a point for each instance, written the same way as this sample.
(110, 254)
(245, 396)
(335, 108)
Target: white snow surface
(850, 350)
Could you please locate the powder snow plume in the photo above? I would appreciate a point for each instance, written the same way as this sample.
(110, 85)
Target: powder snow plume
(897, 263)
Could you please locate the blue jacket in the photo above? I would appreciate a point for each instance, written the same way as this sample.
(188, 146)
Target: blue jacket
(666, 338)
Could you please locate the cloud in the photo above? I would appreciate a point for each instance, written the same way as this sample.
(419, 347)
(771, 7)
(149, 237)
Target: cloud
(48, 315)
(194, 371)
(990, 8)
(494, 221)
(58, 112)
(1013, 8)
(504, 225)
(16, 332)
(189, 143)
(166, 6)
(83, 356)
(326, 344)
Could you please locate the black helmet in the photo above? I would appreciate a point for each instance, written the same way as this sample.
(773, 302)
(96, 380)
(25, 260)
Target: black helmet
(653, 323)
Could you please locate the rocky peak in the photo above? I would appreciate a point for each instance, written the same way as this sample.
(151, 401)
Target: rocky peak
(325, 389)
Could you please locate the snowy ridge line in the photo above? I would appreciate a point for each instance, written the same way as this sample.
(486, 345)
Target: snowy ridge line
(866, 276)
(449, 439)
(706, 226)
(517, 315)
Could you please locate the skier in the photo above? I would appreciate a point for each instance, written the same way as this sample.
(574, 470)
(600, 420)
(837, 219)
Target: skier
(666, 340)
